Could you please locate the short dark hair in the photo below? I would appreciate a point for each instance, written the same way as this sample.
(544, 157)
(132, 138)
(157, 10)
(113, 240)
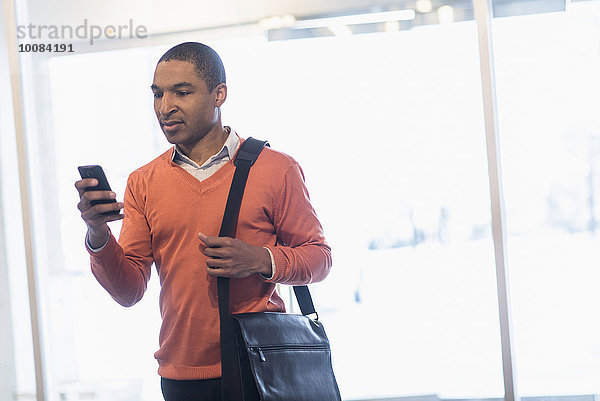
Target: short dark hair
(206, 61)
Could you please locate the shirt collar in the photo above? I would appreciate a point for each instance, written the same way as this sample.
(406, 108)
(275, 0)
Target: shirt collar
(227, 151)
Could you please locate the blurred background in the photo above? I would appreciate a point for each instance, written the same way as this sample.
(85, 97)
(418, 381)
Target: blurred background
(381, 103)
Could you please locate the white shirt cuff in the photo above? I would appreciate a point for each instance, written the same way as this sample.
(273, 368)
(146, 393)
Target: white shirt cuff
(96, 250)
(272, 266)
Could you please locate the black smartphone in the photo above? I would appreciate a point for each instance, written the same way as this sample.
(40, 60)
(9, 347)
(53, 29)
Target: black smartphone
(95, 171)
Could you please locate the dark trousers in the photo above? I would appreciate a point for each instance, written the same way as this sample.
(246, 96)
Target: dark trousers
(191, 390)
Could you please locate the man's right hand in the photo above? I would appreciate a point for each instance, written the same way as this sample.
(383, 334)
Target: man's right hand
(95, 216)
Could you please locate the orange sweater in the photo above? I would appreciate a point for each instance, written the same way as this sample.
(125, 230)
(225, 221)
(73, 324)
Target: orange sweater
(165, 208)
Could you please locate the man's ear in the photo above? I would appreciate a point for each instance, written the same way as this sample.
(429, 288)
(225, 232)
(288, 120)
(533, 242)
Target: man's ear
(220, 94)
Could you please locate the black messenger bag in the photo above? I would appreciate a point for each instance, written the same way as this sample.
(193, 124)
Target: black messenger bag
(269, 356)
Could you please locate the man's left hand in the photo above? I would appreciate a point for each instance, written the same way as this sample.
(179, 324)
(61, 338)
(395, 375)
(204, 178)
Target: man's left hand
(231, 257)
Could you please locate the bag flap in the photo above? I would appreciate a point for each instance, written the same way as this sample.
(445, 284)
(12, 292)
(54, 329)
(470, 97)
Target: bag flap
(276, 329)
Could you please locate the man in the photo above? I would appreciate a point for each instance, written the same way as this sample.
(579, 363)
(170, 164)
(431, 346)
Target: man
(173, 209)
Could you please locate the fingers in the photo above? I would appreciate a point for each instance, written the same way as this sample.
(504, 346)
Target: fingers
(221, 272)
(81, 185)
(101, 219)
(217, 247)
(103, 209)
(231, 257)
(218, 252)
(215, 253)
(215, 242)
(217, 263)
(202, 237)
(98, 215)
(88, 197)
(100, 203)
(97, 207)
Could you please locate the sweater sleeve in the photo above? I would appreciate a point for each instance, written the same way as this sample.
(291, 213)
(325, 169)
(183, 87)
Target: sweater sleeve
(123, 268)
(302, 255)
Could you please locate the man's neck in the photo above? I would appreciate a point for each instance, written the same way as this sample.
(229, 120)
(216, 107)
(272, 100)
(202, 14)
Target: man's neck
(209, 145)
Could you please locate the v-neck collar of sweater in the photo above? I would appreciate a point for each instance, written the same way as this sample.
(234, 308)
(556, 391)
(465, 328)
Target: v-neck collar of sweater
(210, 182)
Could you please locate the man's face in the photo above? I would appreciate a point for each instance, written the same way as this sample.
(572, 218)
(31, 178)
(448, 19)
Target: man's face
(186, 110)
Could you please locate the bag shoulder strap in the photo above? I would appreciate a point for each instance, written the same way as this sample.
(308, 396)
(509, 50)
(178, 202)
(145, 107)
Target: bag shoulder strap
(305, 301)
(245, 158)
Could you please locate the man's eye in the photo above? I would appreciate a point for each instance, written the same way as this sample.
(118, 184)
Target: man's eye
(157, 95)
(182, 93)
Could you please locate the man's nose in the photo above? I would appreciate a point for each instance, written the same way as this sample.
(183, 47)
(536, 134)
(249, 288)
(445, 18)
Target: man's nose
(167, 106)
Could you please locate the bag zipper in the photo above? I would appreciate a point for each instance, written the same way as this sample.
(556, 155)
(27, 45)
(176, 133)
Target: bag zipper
(281, 347)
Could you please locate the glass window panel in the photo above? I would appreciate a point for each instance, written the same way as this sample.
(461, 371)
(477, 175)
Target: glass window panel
(102, 111)
(17, 371)
(548, 100)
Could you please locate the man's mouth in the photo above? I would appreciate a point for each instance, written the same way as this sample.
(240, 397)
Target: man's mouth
(171, 126)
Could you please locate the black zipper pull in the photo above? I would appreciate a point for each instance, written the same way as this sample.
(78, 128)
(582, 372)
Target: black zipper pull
(262, 356)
